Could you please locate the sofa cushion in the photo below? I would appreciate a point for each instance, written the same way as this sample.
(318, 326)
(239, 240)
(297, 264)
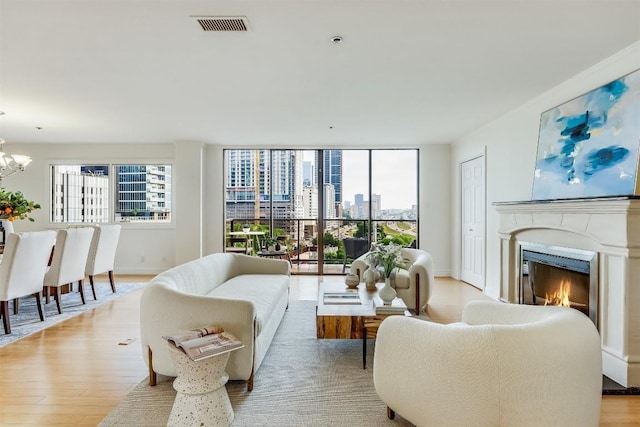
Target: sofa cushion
(264, 290)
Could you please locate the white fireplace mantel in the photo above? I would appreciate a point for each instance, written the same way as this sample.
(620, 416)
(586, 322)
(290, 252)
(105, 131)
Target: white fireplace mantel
(610, 227)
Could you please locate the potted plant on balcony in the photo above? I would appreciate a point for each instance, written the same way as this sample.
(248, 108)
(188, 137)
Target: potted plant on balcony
(246, 227)
(270, 244)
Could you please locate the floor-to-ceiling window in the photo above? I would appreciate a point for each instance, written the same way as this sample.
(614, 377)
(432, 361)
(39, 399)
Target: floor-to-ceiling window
(316, 203)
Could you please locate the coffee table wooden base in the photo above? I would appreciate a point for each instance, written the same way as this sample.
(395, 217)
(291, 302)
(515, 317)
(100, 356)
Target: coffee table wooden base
(340, 327)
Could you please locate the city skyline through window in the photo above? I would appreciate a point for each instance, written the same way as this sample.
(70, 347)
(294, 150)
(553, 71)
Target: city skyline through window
(308, 197)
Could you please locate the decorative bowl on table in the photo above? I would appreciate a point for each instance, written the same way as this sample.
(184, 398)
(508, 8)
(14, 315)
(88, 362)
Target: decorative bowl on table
(352, 280)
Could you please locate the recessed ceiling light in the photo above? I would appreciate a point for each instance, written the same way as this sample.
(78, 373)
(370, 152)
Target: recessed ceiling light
(336, 39)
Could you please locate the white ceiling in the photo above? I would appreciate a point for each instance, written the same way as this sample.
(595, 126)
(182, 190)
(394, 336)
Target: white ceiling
(407, 72)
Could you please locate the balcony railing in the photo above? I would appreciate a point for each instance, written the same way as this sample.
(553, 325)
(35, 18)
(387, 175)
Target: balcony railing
(300, 237)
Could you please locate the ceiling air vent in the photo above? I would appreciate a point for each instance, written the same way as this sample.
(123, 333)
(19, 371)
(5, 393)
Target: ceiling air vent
(223, 23)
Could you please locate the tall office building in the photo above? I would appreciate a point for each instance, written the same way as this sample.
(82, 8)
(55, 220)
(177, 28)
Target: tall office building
(310, 198)
(365, 210)
(80, 194)
(308, 174)
(286, 186)
(332, 174)
(261, 183)
(144, 192)
(359, 199)
(376, 206)
(242, 183)
(329, 194)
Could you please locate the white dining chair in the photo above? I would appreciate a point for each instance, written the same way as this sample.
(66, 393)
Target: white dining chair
(69, 261)
(22, 269)
(102, 254)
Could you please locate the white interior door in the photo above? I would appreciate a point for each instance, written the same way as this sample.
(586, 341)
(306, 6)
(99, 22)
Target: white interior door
(473, 222)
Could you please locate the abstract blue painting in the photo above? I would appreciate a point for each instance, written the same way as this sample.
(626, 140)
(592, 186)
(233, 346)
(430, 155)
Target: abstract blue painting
(588, 147)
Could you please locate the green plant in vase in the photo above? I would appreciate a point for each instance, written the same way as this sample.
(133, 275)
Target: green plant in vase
(14, 206)
(389, 257)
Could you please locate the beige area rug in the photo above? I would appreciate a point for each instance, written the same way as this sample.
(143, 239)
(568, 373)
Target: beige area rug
(303, 381)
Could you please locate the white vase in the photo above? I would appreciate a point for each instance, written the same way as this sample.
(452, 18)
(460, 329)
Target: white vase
(370, 277)
(352, 280)
(387, 293)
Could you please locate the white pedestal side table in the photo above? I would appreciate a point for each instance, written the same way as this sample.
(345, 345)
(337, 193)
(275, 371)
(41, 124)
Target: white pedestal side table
(202, 398)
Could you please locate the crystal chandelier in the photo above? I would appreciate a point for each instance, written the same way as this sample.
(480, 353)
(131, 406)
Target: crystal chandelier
(11, 163)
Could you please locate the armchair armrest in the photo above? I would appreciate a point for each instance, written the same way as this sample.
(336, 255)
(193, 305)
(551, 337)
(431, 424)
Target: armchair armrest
(421, 278)
(358, 266)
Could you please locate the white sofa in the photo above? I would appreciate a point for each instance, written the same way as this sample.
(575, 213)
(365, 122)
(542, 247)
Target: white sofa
(245, 295)
(413, 285)
(503, 365)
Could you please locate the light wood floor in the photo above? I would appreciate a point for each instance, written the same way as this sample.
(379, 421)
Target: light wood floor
(75, 372)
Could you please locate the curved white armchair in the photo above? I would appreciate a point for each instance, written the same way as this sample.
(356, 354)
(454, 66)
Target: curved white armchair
(413, 285)
(102, 254)
(22, 269)
(504, 365)
(69, 260)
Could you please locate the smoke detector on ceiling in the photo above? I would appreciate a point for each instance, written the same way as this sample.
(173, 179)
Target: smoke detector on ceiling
(223, 23)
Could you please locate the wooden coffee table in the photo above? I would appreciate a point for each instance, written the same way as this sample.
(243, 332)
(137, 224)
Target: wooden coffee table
(345, 321)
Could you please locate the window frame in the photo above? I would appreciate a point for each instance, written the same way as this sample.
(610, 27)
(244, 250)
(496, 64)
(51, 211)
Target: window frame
(112, 166)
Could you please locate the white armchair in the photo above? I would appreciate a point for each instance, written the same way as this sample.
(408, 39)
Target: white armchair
(503, 365)
(102, 254)
(22, 269)
(69, 261)
(413, 285)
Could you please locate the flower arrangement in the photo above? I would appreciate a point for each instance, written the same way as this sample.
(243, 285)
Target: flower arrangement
(14, 206)
(388, 257)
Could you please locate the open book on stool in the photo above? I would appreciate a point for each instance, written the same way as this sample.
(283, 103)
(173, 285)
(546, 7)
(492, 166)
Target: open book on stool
(204, 342)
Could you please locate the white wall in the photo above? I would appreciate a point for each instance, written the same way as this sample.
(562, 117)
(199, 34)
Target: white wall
(511, 144)
(198, 209)
(435, 206)
(214, 200)
(188, 201)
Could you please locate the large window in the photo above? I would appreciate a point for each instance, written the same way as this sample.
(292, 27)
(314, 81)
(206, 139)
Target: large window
(313, 200)
(82, 193)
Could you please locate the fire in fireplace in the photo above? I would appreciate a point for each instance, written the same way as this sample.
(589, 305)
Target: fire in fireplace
(552, 275)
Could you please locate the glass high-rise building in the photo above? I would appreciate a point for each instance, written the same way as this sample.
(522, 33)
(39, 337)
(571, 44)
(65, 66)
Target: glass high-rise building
(332, 174)
(258, 182)
(143, 191)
